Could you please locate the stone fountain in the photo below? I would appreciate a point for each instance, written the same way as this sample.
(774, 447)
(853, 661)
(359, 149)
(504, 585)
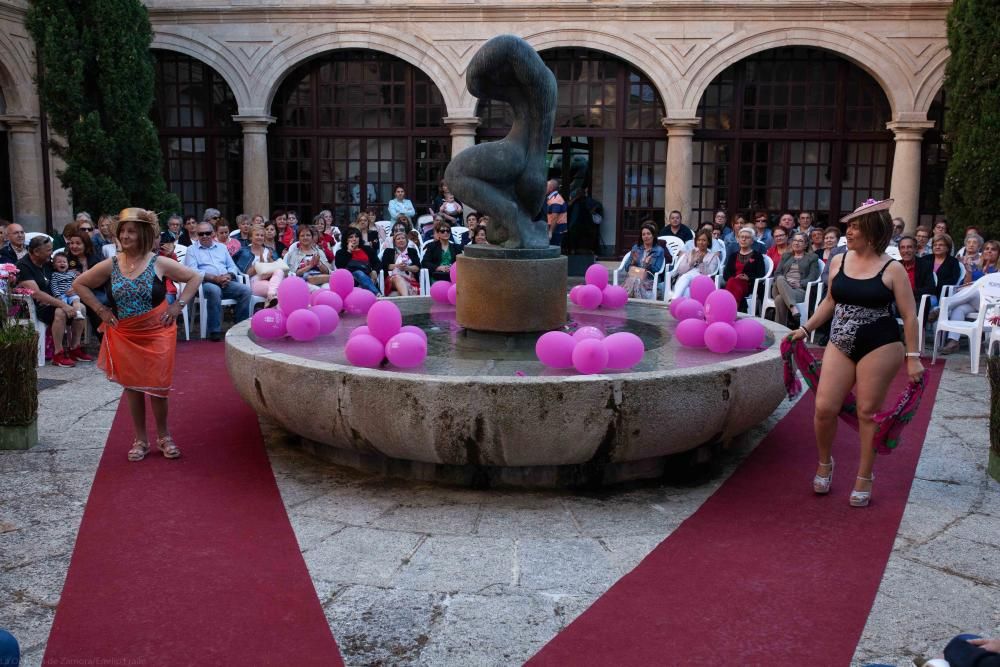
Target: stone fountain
(482, 410)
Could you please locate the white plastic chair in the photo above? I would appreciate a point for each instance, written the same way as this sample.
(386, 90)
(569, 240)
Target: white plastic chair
(813, 287)
(948, 290)
(203, 307)
(671, 271)
(456, 234)
(893, 252)
(765, 284)
(989, 298)
(38, 324)
(31, 235)
(384, 228)
(656, 276)
(424, 223)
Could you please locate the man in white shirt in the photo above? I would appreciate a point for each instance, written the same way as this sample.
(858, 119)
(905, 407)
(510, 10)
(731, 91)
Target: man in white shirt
(212, 260)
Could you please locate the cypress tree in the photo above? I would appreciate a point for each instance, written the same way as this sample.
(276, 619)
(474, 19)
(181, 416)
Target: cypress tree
(97, 89)
(972, 79)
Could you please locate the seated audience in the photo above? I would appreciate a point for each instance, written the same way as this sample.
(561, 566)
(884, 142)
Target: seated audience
(743, 266)
(402, 265)
(965, 301)
(223, 237)
(480, 238)
(445, 205)
(189, 236)
(643, 262)
(369, 235)
(276, 247)
(219, 279)
(35, 274)
(675, 227)
(263, 266)
(62, 289)
(831, 237)
(796, 268)
(907, 257)
(780, 245)
(898, 225)
(701, 260)
(175, 224)
(936, 270)
(923, 236)
(400, 205)
(168, 242)
(441, 253)
(14, 249)
(359, 259)
(243, 224)
(306, 260)
(970, 255)
(816, 236)
(762, 229)
(103, 235)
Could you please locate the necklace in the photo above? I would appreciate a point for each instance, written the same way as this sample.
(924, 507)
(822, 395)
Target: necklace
(131, 267)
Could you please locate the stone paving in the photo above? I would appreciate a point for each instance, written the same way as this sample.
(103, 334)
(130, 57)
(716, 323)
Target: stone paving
(412, 573)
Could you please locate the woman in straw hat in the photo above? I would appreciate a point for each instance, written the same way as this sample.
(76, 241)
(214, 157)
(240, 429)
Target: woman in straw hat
(865, 349)
(139, 327)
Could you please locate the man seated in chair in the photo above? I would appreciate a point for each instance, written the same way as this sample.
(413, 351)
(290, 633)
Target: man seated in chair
(35, 274)
(212, 260)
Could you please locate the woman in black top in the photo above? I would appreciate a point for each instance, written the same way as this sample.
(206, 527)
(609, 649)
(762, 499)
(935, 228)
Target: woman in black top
(359, 259)
(743, 267)
(939, 263)
(440, 253)
(402, 266)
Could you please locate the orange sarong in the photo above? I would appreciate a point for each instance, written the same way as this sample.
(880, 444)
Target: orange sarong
(138, 354)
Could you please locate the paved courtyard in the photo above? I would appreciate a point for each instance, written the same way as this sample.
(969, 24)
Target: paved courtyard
(419, 574)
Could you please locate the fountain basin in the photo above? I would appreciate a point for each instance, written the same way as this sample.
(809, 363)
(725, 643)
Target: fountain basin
(482, 410)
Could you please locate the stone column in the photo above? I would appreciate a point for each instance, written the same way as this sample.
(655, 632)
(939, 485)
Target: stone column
(905, 187)
(256, 191)
(463, 132)
(26, 173)
(679, 158)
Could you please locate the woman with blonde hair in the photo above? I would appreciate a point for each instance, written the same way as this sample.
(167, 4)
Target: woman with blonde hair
(140, 335)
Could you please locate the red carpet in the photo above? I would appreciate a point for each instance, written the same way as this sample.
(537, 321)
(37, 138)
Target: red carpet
(764, 573)
(190, 562)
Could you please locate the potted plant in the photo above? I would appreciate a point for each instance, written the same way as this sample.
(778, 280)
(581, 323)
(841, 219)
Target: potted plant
(18, 358)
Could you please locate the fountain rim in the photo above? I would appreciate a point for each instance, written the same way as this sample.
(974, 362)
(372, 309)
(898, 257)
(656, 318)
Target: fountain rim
(238, 337)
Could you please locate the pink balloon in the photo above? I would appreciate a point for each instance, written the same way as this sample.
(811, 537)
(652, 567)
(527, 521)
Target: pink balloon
(303, 325)
(574, 294)
(453, 272)
(590, 297)
(439, 291)
(293, 294)
(327, 298)
(453, 294)
(359, 301)
(691, 332)
(720, 306)
(614, 296)
(590, 356)
(701, 287)
(342, 282)
(597, 276)
(720, 337)
(268, 323)
(555, 349)
(364, 350)
(625, 350)
(384, 320)
(588, 332)
(328, 318)
(406, 350)
(690, 309)
(749, 334)
(675, 304)
(409, 328)
(358, 331)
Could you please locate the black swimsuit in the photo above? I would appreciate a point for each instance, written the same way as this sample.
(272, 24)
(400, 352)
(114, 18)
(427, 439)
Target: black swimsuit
(862, 321)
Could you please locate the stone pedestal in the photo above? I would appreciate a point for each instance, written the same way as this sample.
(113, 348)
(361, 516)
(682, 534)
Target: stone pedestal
(19, 437)
(511, 290)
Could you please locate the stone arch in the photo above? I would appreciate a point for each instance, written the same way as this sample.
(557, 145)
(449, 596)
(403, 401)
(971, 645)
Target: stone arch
(202, 47)
(16, 79)
(932, 83)
(410, 48)
(662, 75)
(887, 70)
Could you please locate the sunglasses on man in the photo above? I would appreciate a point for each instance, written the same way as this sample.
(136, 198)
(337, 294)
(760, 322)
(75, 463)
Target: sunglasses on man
(206, 233)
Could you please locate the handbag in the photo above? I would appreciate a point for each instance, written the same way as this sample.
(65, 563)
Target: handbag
(633, 281)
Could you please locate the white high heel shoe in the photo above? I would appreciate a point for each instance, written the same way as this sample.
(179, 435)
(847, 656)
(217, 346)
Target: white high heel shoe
(862, 498)
(821, 485)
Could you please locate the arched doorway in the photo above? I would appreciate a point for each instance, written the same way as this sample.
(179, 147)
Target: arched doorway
(6, 186)
(202, 145)
(791, 129)
(934, 162)
(351, 125)
(608, 137)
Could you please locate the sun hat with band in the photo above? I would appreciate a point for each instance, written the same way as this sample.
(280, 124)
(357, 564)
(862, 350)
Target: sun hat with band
(868, 206)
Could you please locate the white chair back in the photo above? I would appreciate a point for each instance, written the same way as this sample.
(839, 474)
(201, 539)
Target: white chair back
(384, 228)
(424, 222)
(893, 252)
(842, 241)
(233, 234)
(991, 285)
(456, 233)
(31, 235)
(674, 245)
(179, 250)
(769, 266)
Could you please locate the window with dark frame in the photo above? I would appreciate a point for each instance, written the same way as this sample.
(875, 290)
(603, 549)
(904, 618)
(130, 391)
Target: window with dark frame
(934, 162)
(202, 145)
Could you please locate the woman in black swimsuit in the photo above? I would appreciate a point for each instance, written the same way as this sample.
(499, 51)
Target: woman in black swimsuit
(865, 350)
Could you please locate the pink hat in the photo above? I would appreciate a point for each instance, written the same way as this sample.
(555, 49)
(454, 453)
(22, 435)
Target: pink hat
(868, 206)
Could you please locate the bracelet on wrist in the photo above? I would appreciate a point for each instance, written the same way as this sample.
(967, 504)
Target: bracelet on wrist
(913, 354)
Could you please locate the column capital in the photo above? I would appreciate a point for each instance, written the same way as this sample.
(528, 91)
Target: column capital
(254, 124)
(459, 124)
(25, 124)
(680, 126)
(909, 130)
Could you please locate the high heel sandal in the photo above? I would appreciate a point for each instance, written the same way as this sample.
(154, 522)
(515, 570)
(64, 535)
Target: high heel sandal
(138, 451)
(862, 498)
(821, 485)
(167, 446)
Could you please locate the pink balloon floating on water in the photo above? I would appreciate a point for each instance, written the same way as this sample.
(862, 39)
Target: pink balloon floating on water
(691, 332)
(327, 298)
(439, 291)
(574, 294)
(453, 272)
(720, 306)
(690, 310)
(555, 349)
(675, 304)
(328, 318)
(588, 332)
(293, 295)
(614, 296)
(597, 276)
(268, 324)
(303, 325)
(406, 350)
(625, 350)
(409, 328)
(364, 350)
(453, 294)
(590, 356)
(701, 287)
(342, 282)
(359, 301)
(720, 337)
(590, 297)
(384, 320)
(749, 334)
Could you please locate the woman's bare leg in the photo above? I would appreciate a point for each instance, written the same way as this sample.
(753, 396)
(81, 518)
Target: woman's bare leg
(835, 382)
(159, 406)
(137, 409)
(875, 372)
(401, 285)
